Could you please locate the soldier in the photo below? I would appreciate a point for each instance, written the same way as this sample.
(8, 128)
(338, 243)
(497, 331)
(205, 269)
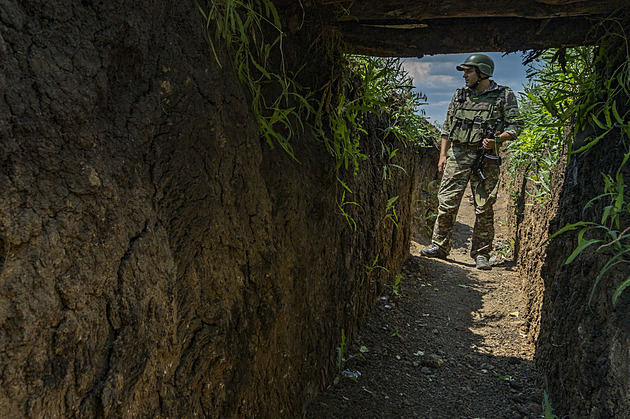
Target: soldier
(476, 111)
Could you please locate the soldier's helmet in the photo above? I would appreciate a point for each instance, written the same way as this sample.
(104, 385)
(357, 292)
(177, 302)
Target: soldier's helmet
(481, 61)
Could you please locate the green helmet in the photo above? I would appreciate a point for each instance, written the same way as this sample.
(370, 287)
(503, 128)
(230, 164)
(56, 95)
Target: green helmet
(481, 61)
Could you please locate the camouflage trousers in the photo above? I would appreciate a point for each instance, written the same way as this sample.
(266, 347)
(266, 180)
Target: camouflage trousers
(456, 176)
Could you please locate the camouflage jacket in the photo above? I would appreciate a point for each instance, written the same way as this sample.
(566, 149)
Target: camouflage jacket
(470, 114)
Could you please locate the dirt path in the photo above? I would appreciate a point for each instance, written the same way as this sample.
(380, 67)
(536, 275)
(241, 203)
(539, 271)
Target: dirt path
(449, 346)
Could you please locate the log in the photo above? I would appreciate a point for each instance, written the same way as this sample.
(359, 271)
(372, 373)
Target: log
(444, 9)
(444, 36)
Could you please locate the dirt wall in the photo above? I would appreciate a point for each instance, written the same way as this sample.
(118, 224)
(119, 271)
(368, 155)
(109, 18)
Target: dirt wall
(583, 350)
(157, 259)
(529, 218)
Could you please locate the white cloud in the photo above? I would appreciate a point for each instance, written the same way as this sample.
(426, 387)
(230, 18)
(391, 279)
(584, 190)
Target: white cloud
(443, 103)
(424, 75)
(417, 69)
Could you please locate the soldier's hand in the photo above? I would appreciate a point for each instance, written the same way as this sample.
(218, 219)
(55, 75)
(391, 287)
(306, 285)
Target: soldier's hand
(488, 143)
(441, 164)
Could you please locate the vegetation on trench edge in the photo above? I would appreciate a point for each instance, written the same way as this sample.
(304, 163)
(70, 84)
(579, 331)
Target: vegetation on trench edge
(573, 91)
(361, 89)
(338, 112)
(362, 95)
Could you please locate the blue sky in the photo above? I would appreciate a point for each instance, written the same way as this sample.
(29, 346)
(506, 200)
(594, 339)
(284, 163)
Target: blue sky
(437, 78)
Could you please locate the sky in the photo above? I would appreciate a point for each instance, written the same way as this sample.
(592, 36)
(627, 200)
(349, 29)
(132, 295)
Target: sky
(437, 78)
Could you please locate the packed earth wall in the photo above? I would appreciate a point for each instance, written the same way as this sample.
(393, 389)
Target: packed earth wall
(582, 347)
(158, 259)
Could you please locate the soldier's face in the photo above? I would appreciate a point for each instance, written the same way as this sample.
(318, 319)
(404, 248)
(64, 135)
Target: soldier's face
(470, 75)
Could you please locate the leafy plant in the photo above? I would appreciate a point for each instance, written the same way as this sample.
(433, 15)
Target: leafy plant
(571, 87)
(428, 202)
(614, 241)
(390, 211)
(505, 249)
(342, 204)
(245, 27)
(358, 87)
(548, 412)
(389, 152)
(375, 265)
(370, 268)
(341, 353)
(396, 287)
(372, 87)
(341, 350)
(502, 377)
(578, 89)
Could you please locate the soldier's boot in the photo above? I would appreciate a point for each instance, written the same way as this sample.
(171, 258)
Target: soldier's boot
(434, 252)
(482, 263)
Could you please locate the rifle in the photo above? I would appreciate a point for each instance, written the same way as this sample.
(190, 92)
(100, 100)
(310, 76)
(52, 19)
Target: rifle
(483, 157)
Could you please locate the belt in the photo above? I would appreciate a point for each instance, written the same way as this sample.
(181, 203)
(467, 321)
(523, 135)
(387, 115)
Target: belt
(471, 145)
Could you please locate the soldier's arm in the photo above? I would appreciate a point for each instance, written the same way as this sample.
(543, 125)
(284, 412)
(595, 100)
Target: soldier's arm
(446, 129)
(512, 117)
(446, 144)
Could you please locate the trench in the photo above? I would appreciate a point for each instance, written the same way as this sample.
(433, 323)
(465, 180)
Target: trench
(116, 115)
(450, 342)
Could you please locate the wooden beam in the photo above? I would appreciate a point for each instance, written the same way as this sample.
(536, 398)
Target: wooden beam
(440, 9)
(443, 36)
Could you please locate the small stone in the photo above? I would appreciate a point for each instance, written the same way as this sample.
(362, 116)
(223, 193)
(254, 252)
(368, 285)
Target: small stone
(416, 364)
(534, 409)
(433, 361)
(426, 370)
(516, 385)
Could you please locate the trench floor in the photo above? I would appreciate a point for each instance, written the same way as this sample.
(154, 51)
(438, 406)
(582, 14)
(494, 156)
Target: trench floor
(451, 344)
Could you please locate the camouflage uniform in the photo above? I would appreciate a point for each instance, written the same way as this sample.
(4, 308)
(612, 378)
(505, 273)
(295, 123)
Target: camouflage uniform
(468, 117)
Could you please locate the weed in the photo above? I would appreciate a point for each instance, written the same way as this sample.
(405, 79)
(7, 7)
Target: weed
(615, 242)
(572, 93)
(428, 204)
(342, 204)
(371, 268)
(373, 86)
(390, 211)
(341, 352)
(375, 265)
(505, 248)
(389, 152)
(243, 26)
(548, 412)
(396, 287)
(502, 377)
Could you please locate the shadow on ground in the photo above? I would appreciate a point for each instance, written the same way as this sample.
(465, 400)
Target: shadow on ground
(448, 346)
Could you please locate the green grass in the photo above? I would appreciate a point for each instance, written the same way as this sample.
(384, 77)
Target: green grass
(578, 90)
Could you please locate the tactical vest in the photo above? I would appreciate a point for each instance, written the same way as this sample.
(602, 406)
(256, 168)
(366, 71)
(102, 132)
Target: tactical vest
(472, 115)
